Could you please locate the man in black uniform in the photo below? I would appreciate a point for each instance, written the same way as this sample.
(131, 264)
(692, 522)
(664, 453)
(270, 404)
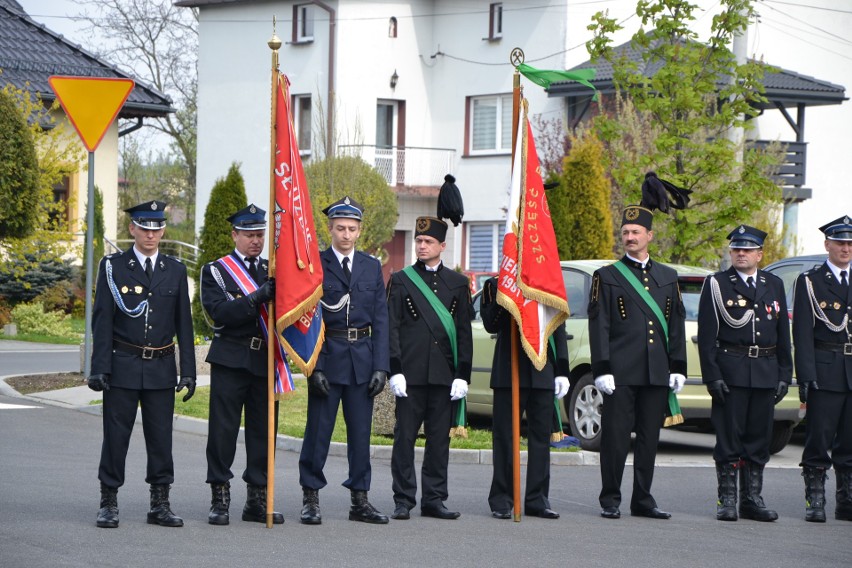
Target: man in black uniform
(352, 366)
(823, 340)
(638, 348)
(141, 304)
(431, 350)
(537, 389)
(234, 290)
(746, 363)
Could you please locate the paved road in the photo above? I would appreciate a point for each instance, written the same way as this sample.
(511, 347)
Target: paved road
(19, 357)
(49, 493)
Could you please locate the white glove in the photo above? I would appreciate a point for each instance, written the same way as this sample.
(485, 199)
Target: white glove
(459, 389)
(561, 386)
(605, 383)
(397, 385)
(676, 381)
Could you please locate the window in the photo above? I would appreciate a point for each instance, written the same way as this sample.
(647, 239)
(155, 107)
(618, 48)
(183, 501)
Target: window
(61, 213)
(392, 27)
(303, 23)
(302, 122)
(490, 122)
(485, 246)
(495, 21)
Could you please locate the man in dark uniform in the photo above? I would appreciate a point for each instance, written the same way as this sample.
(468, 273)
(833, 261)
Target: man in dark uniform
(638, 348)
(352, 366)
(823, 340)
(537, 389)
(234, 290)
(746, 363)
(431, 350)
(141, 304)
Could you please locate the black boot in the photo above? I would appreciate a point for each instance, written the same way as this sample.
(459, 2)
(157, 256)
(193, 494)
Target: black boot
(220, 503)
(255, 509)
(751, 485)
(161, 512)
(726, 506)
(108, 513)
(363, 511)
(843, 511)
(814, 494)
(310, 507)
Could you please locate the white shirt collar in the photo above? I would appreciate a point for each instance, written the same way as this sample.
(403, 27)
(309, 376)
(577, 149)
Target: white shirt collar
(141, 257)
(340, 256)
(744, 276)
(642, 262)
(836, 271)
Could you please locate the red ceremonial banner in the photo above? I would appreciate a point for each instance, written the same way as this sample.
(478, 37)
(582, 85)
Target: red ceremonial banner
(298, 270)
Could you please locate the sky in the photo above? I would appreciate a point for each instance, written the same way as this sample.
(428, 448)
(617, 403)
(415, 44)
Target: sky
(810, 37)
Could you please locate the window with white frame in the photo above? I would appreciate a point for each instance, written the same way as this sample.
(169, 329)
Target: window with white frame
(302, 122)
(303, 23)
(495, 20)
(490, 123)
(485, 246)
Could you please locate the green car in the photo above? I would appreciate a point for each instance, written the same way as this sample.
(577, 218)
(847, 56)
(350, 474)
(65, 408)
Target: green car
(581, 407)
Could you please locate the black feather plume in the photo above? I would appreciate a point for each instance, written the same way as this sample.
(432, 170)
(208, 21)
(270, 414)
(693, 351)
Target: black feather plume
(655, 194)
(450, 204)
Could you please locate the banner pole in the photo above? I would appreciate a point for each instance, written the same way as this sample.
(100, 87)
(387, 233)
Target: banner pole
(271, 433)
(516, 395)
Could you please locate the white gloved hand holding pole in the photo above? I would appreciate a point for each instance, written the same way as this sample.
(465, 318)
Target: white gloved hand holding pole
(676, 382)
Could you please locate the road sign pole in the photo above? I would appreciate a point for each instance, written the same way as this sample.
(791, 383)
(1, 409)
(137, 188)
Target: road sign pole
(90, 261)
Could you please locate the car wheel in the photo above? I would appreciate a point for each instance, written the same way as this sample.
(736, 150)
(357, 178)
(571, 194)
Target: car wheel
(781, 434)
(585, 413)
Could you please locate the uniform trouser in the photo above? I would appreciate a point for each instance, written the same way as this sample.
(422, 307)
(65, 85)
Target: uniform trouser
(119, 415)
(231, 390)
(828, 428)
(640, 409)
(743, 425)
(430, 406)
(322, 412)
(538, 404)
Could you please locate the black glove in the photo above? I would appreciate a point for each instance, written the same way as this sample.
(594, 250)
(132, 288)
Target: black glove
(263, 294)
(318, 384)
(99, 383)
(780, 392)
(189, 383)
(377, 383)
(803, 389)
(718, 389)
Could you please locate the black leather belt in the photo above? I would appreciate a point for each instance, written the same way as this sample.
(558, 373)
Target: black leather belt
(845, 348)
(253, 343)
(144, 352)
(752, 351)
(351, 334)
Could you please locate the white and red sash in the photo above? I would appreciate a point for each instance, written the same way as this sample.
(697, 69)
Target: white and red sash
(240, 275)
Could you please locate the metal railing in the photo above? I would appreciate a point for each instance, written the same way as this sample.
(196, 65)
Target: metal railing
(405, 165)
(792, 169)
(184, 252)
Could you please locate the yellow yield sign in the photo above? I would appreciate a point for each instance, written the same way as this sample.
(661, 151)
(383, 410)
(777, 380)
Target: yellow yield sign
(91, 103)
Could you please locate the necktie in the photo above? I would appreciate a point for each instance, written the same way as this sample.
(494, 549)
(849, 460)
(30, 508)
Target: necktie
(843, 278)
(149, 268)
(750, 282)
(252, 268)
(346, 271)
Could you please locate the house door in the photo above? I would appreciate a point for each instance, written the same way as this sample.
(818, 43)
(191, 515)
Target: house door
(396, 255)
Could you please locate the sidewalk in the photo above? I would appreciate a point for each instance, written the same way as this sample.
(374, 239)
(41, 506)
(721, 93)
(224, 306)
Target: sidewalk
(80, 399)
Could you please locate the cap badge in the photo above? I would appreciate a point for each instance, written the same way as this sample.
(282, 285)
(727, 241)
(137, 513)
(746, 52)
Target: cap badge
(346, 200)
(253, 209)
(631, 214)
(423, 225)
(846, 219)
(742, 229)
(154, 206)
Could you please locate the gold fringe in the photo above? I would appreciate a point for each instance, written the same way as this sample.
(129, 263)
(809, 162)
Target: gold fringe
(557, 436)
(673, 420)
(458, 432)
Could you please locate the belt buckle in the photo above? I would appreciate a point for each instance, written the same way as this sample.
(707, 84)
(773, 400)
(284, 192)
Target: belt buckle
(352, 334)
(256, 344)
(753, 351)
(147, 353)
(847, 348)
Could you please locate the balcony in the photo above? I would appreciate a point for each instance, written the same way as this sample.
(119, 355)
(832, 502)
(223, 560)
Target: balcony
(791, 171)
(405, 165)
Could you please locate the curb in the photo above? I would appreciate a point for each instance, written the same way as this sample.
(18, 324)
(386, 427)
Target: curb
(198, 426)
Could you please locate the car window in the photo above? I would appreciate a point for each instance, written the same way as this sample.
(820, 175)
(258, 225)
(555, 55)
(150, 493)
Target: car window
(475, 301)
(690, 291)
(577, 289)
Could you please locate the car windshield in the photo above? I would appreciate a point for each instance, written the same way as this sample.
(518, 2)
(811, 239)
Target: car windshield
(690, 290)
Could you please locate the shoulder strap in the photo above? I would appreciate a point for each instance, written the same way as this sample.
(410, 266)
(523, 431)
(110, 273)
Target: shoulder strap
(440, 310)
(644, 295)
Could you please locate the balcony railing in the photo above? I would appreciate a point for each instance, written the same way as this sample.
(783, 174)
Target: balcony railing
(791, 171)
(405, 165)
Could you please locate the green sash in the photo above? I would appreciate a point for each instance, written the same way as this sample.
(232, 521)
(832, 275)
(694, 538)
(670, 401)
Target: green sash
(444, 315)
(674, 415)
(646, 297)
